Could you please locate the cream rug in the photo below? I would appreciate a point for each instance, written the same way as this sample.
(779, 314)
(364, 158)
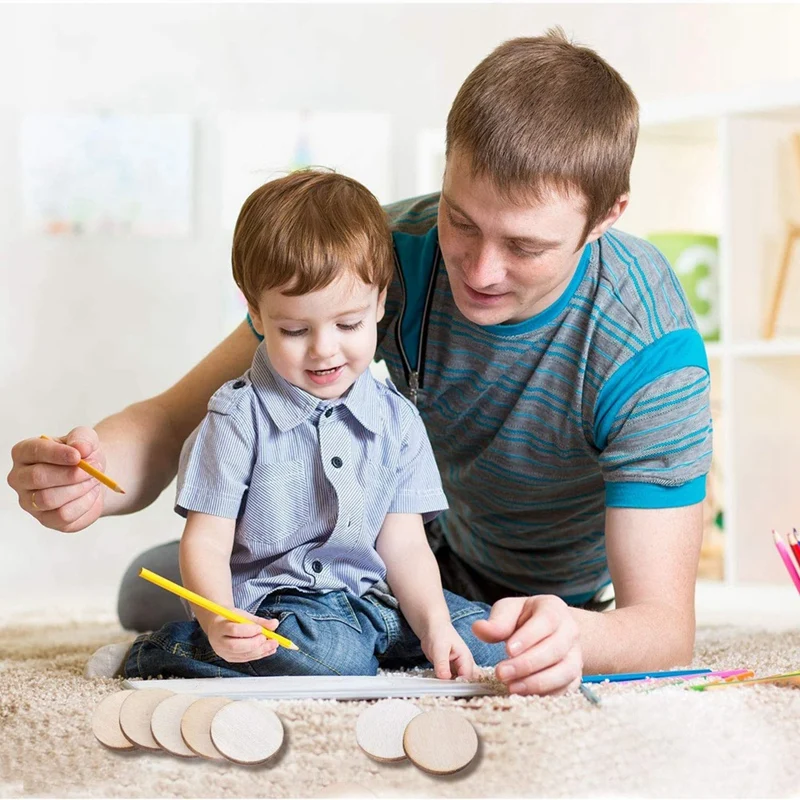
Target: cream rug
(664, 743)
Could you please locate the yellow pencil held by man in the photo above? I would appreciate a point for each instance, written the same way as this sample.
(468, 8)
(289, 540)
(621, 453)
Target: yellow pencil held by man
(209, 605)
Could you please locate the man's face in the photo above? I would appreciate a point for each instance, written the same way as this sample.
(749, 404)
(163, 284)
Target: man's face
(506, 261)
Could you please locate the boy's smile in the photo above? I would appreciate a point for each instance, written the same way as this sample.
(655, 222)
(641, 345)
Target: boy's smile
(321, 341)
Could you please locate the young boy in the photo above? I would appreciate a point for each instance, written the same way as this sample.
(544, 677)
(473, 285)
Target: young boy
(307, 484)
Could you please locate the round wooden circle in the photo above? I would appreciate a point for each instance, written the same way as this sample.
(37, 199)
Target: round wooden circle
(135, 713)
(105, 722)
(165, 724)
(380, 729)
(196, 726)
(247, 732)
(440, 741)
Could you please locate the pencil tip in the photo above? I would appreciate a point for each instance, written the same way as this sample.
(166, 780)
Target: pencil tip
(294, 647)
(118, 490)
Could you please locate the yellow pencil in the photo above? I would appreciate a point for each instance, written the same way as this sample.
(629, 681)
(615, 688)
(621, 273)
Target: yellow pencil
(95, 473)
(209, 605)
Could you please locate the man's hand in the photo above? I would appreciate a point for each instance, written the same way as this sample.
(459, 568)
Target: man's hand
(542, 640)
(51, 487)
(448, 652)
(237, 642)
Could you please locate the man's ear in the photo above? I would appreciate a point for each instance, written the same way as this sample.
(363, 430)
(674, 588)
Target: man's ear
(613, 215)
(381, 306)
(255, 318)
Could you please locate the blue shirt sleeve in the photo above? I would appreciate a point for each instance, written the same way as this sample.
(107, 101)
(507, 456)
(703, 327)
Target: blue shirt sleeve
(419, 487)
(215, 467)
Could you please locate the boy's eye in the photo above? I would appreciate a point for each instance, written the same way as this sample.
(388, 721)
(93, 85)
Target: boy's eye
(285, 332)
(354, 327)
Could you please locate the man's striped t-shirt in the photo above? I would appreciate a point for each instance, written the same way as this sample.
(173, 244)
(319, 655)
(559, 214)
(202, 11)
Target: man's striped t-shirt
(600, 400)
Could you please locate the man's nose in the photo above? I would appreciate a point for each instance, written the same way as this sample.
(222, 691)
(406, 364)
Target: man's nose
(484, 269)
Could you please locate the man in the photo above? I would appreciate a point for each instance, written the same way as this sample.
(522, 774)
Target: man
(554, 361)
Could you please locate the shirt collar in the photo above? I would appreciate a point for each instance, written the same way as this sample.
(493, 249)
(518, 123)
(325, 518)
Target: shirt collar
(288, 405)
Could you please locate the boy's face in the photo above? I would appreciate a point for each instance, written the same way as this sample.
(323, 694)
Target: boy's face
(507, 262)
(324, 340)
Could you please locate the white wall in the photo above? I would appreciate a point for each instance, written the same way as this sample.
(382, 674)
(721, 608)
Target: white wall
(89, 325)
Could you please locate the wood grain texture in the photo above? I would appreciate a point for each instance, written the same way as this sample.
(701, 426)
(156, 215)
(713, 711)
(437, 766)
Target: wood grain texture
(165, 724)
(440, 742)
(105, 722)
(380, 729)
(196, 726)
(135, 714)
(247, 732)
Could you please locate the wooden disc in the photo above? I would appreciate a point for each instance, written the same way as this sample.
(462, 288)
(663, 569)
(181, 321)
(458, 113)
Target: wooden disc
(247, 732)
(196, 726)
(380, 729)
(441, 741)
(135, 713)
(105, 722)
(165, 724)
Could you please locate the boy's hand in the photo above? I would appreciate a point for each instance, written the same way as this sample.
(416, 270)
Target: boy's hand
(448, 652)
(51, 487)
(237, 642)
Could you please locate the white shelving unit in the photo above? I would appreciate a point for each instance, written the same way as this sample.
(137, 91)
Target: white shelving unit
(723, 165)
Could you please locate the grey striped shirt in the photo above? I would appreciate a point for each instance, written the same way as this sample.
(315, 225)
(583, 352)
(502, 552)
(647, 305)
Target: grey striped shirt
(308, 481)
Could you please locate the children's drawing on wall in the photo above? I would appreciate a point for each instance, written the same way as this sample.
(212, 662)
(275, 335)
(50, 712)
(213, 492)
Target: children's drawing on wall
(107, 174)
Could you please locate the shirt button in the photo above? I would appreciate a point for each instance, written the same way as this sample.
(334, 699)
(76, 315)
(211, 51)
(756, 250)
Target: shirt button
(239, 385)
(317, 566)
(337, 462)
(329, 412)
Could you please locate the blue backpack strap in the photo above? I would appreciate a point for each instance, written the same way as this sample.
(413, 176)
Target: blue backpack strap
(416, 258)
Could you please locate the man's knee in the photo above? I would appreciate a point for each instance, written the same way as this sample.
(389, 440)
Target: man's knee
(141, 606)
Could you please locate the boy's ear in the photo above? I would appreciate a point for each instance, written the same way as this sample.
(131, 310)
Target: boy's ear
(255, 318)
(613, 215)
(381, 305)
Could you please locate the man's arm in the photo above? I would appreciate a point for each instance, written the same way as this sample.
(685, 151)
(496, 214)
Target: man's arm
(652, 556)
(143, 442)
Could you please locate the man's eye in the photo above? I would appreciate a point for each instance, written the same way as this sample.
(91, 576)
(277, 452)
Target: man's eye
(526, 253)
(284, 332)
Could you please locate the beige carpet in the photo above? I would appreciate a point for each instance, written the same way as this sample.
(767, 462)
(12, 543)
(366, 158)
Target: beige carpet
(665, 743)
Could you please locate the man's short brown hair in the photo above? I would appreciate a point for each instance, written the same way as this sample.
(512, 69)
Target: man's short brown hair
(541, 113)
(302, 231)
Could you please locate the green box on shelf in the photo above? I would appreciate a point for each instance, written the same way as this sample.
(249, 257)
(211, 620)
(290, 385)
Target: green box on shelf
(695, 259)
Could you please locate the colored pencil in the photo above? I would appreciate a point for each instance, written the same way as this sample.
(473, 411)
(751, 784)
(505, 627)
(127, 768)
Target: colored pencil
(725, 675)
(95, 473)
(591, 696)
(788, 677)
(619, 677)
(210, 605)
(794, 544)
(783, 550)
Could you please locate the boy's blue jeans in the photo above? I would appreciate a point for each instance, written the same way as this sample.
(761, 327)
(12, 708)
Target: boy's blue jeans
(337, 634)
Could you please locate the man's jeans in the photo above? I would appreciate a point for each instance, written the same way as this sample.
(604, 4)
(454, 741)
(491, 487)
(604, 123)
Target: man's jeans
(337, 634)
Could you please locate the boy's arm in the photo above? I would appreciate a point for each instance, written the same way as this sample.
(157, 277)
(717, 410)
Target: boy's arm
(412, 572)
(205, 553)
